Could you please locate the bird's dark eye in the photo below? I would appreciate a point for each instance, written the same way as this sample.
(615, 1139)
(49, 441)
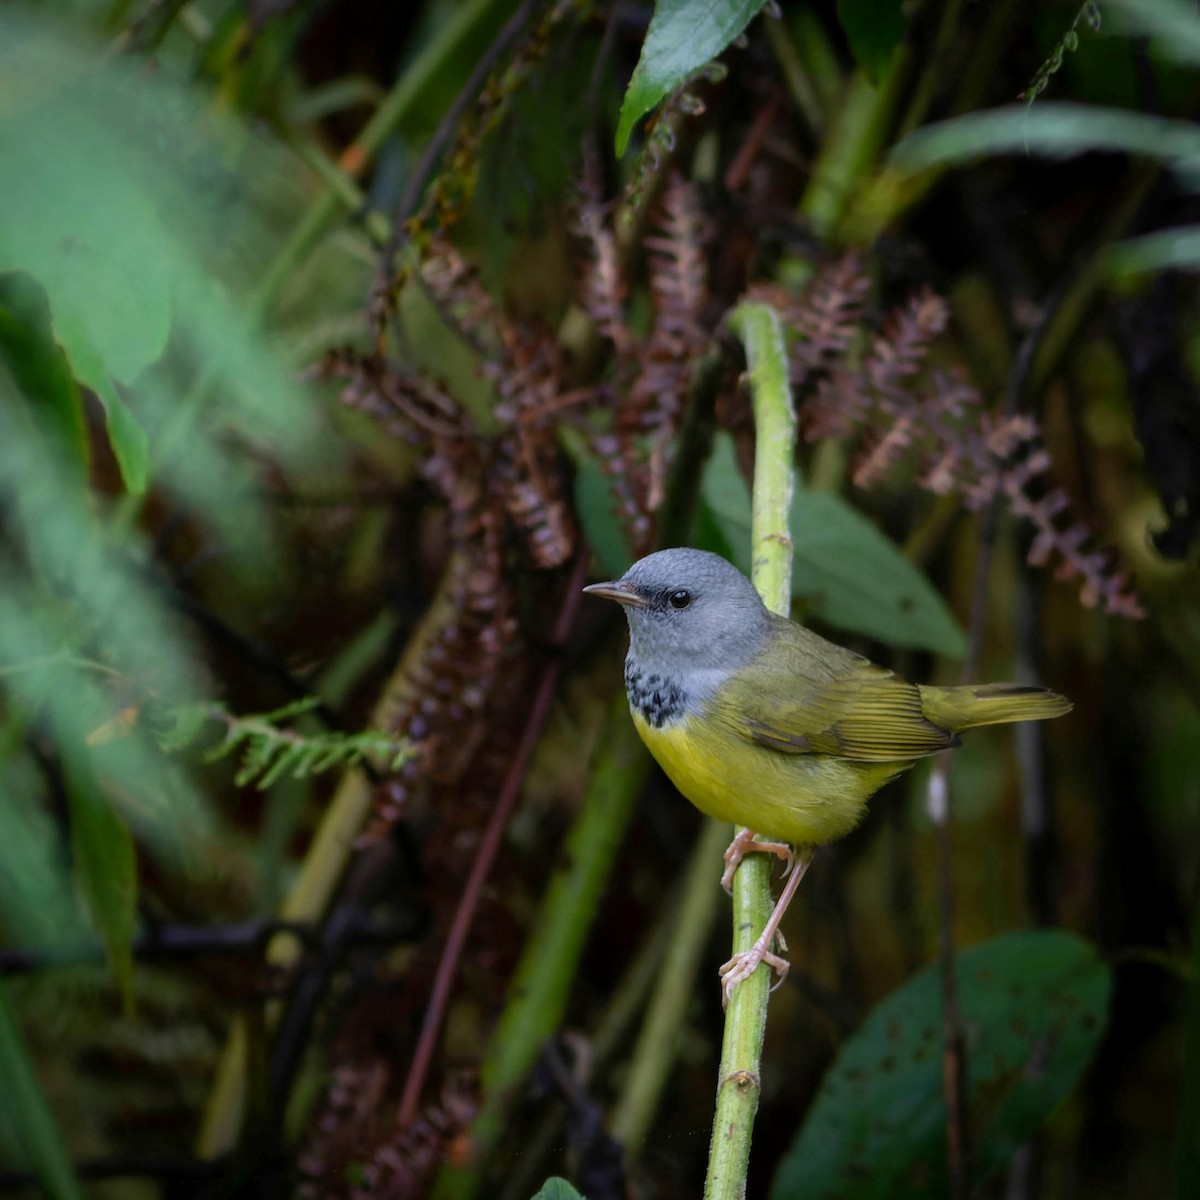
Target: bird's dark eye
(680, 599)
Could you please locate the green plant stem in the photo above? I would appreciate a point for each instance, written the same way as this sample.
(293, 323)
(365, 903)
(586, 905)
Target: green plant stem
(803, 93)
(739, 1078)
(852, 146)
(609, 1042)
(657, 1045)
(541, 985)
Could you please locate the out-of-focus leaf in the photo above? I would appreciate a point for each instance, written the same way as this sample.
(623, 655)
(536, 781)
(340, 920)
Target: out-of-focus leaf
(1167, 250)
(29, 1134)
(597, 509)
(40, 369)
(1033, 1007)
(106, 277)
(853, 577)
(1056, 130)
(846, 571)
(126, 205)
(683, 36)
(1173, 26)
(557, 1189)
(39, 908)
(874, 29)
(105, 866)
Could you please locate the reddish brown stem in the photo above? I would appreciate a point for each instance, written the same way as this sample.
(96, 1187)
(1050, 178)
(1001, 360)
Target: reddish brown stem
(443, 981)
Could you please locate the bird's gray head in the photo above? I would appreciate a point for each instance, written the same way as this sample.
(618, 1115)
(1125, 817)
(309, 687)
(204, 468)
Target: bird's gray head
(690, 613)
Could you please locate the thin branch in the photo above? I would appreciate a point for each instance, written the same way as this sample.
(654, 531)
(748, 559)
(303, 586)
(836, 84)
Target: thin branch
(489, 847)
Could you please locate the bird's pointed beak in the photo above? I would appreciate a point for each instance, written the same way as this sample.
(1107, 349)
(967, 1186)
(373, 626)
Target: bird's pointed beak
(620, 591)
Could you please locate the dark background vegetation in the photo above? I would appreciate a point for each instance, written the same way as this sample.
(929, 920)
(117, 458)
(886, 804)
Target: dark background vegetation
(330, 337)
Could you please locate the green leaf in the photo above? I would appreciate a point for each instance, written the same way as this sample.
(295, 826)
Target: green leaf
(597, 509)
(726, 504)
(1034, 1006)
(846, 571)
(29, 1134)
(557, 1189)
(1176, 249)
(874, 29)
(41, 371)
(1055, 130)
(683, 36)
(853, 577)
(105, 866)
(106, 276)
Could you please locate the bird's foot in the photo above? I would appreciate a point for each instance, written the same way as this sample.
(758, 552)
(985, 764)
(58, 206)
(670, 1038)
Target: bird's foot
(745, 841)
(741, 966)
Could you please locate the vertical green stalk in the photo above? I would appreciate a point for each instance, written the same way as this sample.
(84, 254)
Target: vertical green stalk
(852, 146)
(541, 986)
(739, 1079)
(657, 1045)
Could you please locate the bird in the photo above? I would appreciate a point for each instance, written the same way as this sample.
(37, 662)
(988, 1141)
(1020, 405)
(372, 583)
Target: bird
(762, 723)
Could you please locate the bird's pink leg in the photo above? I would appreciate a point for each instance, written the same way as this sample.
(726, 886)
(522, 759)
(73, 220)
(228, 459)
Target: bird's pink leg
(741, 966)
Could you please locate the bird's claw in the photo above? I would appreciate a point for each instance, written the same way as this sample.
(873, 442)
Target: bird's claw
(746, 842)
(742, 965)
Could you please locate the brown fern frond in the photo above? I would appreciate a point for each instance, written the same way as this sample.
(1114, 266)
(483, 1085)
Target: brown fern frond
(824, 320)
(937, 423)
(898, 350)
(352, 1153)
(604, 289)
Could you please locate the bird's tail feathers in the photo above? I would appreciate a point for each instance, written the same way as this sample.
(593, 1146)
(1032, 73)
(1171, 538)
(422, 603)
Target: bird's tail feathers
(958, 708)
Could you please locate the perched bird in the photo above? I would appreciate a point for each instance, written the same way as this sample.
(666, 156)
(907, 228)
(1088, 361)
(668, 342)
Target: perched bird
(762, 723)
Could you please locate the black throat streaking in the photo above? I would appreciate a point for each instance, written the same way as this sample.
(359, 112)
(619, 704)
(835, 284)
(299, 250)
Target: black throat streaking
(656, 698)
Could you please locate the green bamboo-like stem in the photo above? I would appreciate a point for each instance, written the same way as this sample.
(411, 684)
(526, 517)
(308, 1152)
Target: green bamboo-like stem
(799, 85)
(739, 1078)
(657, 1045)
(541, 985)
(609, 1042)
(852, 146)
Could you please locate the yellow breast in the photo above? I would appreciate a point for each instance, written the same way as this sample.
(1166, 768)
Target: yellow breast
(805, 799)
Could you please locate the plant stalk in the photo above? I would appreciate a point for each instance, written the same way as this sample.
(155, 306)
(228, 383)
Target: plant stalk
(739, 1078)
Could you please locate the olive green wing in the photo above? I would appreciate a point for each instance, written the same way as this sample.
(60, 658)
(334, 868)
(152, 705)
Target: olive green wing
(807, 696)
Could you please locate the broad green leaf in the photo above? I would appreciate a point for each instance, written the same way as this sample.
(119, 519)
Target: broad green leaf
(1034, 1006)
(683, 36)
(99, 252)
(874, 29)
(144, 217)
(846, 571)
(105, 866)
(854, 577)
(29, 1134)
(557, 1189)
(726, 507)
